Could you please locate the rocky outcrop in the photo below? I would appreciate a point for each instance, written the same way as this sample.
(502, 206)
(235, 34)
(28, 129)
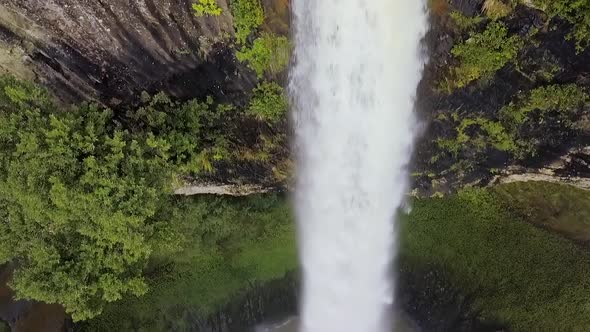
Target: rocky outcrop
(112, 50)
(573, 168)
(222, 189)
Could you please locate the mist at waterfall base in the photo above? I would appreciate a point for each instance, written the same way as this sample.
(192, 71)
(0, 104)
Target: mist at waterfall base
(356, 68)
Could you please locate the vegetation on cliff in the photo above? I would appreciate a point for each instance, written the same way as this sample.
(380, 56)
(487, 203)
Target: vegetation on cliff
(269, 54)
(514, 129)
(248, 16)
(207, 7)
(85, 192)
(482, 54)
(511, 90)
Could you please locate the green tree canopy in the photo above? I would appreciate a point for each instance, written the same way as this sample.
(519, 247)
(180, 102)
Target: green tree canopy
(82, 192)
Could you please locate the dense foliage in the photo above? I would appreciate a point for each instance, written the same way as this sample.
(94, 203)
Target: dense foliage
(248, 16)
(207, 7)
(482, 54)
(81, 200)
(82, 192)
(85, 191)
(194, 133)
(269, 102)
(269, 54)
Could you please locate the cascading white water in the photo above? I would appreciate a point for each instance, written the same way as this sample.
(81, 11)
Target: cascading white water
(357, 67)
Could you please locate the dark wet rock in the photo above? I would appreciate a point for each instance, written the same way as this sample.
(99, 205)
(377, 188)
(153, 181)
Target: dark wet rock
(435, 304)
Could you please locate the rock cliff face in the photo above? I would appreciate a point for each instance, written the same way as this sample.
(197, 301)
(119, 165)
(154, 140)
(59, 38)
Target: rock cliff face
(111, 50)
(561, 153)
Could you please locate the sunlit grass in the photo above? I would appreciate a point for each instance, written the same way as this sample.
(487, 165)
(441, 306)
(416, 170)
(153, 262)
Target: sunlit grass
(521, 275)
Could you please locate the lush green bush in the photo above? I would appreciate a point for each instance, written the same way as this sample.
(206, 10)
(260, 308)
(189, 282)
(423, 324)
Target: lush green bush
(195, 132)
(85, 191)
(269, 102)
(269, 54)
(81, 198)
(483, 54)
(248, 16)
(206, 7)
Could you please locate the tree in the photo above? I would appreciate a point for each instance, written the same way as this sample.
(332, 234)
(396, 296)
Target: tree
(81, 198)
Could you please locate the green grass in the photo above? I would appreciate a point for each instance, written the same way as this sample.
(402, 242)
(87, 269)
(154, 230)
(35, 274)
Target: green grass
(522, 276)
(254, 243)
(559, 208)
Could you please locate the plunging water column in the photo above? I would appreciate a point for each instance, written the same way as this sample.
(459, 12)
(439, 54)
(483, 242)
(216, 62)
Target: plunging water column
(357, 66)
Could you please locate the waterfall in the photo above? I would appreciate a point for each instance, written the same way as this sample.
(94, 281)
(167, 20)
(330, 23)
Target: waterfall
(356, 69)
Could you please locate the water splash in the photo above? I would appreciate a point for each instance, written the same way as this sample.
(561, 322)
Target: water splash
(357, 66)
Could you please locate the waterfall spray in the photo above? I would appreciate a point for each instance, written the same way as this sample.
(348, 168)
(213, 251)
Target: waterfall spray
(357, 67)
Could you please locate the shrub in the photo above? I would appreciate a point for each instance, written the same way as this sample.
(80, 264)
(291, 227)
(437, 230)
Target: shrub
(248, 16)
(564, 99)
(81, 197)
(477, 135)
(269, 102)
(269, 53)
(194, 131)
(484, 53)
(206, 7)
